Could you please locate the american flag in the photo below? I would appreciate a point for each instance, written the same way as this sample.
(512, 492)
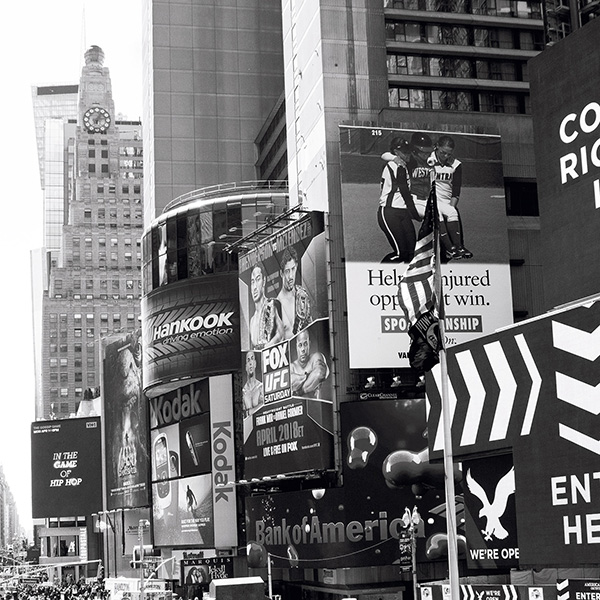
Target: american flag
(419, 290)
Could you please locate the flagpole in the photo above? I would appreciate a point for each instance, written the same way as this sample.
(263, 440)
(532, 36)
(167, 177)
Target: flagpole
(449, 476)
(447, 423)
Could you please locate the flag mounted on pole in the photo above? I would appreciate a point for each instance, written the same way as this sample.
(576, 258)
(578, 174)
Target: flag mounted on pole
(419, 293)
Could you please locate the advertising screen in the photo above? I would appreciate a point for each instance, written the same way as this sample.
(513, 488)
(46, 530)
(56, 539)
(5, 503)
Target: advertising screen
(531, 390)
(490, 514)
(183, 512)
(287, 390)
(566, 128)
(386, 471)
(193, 465)
(125, 410)
(66, 467)
(383, 201)
(190, 327)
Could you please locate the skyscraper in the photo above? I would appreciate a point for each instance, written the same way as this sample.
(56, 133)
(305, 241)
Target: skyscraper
(88, 274)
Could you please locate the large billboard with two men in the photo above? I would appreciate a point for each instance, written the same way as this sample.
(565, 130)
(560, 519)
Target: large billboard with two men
(287, 391)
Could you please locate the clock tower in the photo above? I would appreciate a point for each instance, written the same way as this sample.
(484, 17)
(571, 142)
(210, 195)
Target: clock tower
(96, 106)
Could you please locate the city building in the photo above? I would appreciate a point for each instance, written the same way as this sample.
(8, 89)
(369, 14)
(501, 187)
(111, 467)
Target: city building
(86, 282)
(344, 80)
(88, 273)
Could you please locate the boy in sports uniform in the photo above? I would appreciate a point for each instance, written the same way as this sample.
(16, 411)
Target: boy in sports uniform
(396, 207)
(447, 178)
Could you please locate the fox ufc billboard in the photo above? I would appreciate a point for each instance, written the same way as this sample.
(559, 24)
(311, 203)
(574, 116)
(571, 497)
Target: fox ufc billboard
(566, 127)
(66, 467)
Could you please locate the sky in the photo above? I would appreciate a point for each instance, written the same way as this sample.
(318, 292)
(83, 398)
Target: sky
(42, 42)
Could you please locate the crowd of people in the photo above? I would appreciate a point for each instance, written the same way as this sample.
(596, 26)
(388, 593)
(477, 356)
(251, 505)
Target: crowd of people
(66, 590)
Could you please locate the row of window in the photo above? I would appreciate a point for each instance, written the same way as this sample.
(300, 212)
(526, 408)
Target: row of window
(114, 242)
(64, 392)
(90, 284)
(401, 64)
(111, 188)
(460, 35)
(69, 294)
(496, 102)
(523, 9)
(112, 213)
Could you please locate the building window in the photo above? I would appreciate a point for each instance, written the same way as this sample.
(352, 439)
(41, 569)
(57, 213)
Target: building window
(92, 168)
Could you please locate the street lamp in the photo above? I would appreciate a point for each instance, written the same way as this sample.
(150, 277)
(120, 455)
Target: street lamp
(411, 521)
(141, 527)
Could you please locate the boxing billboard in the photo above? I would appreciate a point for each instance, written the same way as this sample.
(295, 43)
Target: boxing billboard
(66, 467)
(566, 128)
(193, 465)
(191, 329)
(287, 391)
(125, 410)
(386, 471)
(383, 200)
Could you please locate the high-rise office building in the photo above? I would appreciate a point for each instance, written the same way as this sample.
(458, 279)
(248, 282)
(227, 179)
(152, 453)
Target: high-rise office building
(88, 274)
(444, 67)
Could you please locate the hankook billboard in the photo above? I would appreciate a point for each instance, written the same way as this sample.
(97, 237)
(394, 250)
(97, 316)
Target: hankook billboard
(287, 391)
(383, 200)
(191, 329)
(66, 467)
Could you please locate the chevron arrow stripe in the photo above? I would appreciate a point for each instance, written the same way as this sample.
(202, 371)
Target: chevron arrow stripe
(536, 383)
(562, 589)
(578, 393)
(476, 397)
(439, 434)
(575, 341)
(510, 592)
(579, 439)
(467, 592)
(508, 390)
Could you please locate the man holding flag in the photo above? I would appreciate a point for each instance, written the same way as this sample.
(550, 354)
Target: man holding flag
(419, 294)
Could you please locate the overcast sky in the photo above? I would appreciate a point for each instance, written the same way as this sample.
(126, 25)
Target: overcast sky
(42, 42)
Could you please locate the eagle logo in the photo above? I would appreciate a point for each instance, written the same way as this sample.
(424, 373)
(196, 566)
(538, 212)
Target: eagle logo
(494, 510)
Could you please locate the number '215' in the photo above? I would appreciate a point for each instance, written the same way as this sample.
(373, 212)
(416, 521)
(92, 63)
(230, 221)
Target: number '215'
(376, 132)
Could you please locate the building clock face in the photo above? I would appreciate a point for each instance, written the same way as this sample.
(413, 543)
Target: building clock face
(96, 120)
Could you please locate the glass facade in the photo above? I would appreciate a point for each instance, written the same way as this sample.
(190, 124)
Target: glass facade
(190, 241)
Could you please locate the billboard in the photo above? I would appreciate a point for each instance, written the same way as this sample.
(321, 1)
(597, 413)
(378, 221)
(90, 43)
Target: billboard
(490, 514)
(287, 391)
(197, 573)
(380, 239)
(566, 127)
(193, 465)
(386, 470)
(531, 389)
(66, 467)
(191, 328)
(125, 410)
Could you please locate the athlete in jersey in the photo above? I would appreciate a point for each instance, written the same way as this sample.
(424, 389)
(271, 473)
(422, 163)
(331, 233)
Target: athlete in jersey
(252, 392)
(396, 209)
(295, 301)
(446, 174)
